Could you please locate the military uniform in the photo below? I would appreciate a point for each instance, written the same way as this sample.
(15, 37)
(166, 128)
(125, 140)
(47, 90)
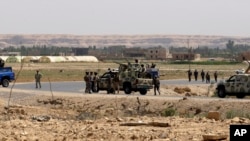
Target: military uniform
(96, 80)
(156, 83)
(87, 82)
(38, 77)
(116, 84)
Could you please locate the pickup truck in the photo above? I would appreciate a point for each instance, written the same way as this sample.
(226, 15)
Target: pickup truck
(6, 76)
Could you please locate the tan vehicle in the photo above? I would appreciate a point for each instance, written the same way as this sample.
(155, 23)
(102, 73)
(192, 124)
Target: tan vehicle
(130, 79)
(238, 85)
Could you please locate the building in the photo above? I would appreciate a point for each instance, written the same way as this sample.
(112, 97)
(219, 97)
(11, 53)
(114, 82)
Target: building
(156, 53)
(135, 52)
(185, 56)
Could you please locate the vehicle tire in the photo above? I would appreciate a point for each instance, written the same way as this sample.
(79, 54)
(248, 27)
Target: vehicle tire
(143, 91)
(240, 95)
(5, 83)
(127, 88)
(221, 92)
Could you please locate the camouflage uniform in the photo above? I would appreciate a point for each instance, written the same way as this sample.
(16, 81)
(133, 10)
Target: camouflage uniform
(156, 83)
(91, 82)
(109, 82)
(116, 84)
(96, 79)
(87, 82)
(38, 77)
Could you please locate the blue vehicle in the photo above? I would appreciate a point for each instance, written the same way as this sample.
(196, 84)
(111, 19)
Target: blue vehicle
(6, 76)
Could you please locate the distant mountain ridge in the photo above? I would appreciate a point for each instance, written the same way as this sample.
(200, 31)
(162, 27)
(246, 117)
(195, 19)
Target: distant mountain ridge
(67, 40)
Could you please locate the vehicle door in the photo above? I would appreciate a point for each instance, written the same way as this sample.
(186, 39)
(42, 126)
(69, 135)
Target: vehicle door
(240, 82)
(103, 81)
(230, 84)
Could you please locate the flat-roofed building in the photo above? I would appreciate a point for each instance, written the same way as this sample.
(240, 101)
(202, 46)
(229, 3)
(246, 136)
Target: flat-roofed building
(156, 53)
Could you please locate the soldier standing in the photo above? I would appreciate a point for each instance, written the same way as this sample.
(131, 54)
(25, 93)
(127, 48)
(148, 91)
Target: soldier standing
(195, 75)
(208, 77)
(116, 83)
(202, 75)
(109, 82)
(156, 83)
(38, 77)
(96, 80)
(86, 79)
(91, 78)
(215, 76)
(189, 75)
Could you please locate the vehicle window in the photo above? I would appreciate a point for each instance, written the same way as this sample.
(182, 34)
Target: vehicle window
(231, 79)
(238, 78)
(4, 70)
(106, 75)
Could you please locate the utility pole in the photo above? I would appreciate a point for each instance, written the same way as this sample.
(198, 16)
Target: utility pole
(189, 53)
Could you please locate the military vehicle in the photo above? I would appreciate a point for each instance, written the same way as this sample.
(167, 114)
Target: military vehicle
(131, 77)
(237, 85)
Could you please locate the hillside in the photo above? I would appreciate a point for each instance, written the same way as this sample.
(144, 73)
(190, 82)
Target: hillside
(66, 40)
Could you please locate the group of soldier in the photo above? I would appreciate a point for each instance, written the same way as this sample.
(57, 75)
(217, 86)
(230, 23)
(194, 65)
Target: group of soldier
(91, 80)
(204, 76)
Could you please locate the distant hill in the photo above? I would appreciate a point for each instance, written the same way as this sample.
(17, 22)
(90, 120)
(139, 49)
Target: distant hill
(66, 40)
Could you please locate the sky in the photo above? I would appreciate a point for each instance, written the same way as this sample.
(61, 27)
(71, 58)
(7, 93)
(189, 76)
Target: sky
(126, 17)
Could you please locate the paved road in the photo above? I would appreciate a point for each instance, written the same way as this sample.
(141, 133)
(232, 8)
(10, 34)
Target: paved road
(79, 86)
(26, 90)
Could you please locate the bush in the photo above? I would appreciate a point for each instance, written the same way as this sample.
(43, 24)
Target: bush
(169, 112)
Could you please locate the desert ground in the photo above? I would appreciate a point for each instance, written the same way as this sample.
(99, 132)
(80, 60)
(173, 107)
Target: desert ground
(180, 113)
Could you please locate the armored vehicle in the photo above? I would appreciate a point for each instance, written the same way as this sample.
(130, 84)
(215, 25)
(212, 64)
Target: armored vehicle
(131, 78)
(238, 85)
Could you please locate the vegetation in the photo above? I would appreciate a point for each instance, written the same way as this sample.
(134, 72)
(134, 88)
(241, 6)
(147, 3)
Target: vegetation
(230, 51)
(75, 71)
(236, 113)
(169, 112)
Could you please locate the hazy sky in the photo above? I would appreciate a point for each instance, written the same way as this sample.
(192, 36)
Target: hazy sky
(99, 17)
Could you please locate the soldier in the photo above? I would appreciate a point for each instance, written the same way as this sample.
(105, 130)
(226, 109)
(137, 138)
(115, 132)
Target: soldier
(96, 80)
(202, 75)
(156, 83)
(195, 75)
(116, 82)
(189, 75)
(38, 77)
(91, 78)
(109, 82)
(215, 76)
(86, 79)
(142, 71)
(208, 77)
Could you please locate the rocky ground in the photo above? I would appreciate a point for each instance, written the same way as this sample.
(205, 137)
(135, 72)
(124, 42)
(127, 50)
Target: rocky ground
(180, 113)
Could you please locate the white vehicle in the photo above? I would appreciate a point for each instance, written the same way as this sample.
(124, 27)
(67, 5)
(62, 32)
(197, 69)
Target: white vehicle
(238, 85)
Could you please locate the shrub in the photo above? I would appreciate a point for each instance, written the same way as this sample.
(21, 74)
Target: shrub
(169, 112)
(235, 113)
